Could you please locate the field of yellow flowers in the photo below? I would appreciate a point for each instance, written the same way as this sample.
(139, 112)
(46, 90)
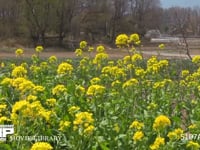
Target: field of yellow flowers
(95, 103)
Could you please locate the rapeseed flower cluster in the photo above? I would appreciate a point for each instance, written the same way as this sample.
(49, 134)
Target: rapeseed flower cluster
(29, 110)
(41, 146)
(114, 72)
(130, 83)
(52, 59)
(138, 126)
(23, 85)
(39, 49)
(95, 80)
(176, 134)
(136, 57)
(100, 49)
(135, 39)
(65, 68)
(154, 66)
(73, 110)
(19, 71)
(158, 143)
(161, 122)
(161, 84)
(83, 44)
(193, 145)
(124, 40)
(51, 102)
(19, 52)
(138, 135)
(95, 90)
(59, 90)
(161, 46)
(100, 58)
(64, 125)
(3, 114)
(79, 52)
(196, 59)
(83, 122)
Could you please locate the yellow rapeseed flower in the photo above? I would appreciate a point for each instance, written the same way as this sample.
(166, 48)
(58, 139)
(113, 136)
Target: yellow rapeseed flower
(136, 125)
(161, 46)
(78, 52)
(19, 71)
(122, 40)
(176, 134)
(161, 122)
(80, 90)
(159, 141)
(19, 52)
(90, 49)
(193, 145)
(83, 44)
(192, 126)
(84, 121)
(140, 72)
(64, 125)
(65, 68)
(138, 136)
(52, 59)
(39, 48)
(136, 57)
(116, 83)
(185, 73)
(95, 80)
(95, 90)
(116, 127)
(4, 119)
(130, 83)
(73, 109)
(172, 135)
(100, 57)
(59, 89)
(41, 146)
(196, 59)
(83, 117)
(45, 114)
(6, 81)
(100, 49)
(135, 39)
(89, 130)
(31, 98)
(38, 88)
(127, 59)
(51, 101)
(152, 106)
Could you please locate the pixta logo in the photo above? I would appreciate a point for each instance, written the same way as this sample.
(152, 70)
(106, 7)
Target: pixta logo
(5, 130)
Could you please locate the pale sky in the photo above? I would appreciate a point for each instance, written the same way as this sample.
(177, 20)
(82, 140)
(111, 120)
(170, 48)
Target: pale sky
(180, 3)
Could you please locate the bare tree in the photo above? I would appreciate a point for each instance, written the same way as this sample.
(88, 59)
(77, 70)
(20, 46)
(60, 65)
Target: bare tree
(9, 18)
(38, 16)
(145, 14)
(94, 19)
(180, 24)
(65, 11)
(119, 10)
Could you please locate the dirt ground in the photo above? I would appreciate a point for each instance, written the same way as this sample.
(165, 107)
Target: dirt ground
(113, 53)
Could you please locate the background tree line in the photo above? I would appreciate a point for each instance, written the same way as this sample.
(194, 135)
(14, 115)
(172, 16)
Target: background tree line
(54, 22)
